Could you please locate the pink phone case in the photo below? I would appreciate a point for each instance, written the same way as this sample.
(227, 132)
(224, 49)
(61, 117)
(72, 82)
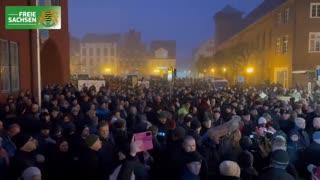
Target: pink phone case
(146, 138)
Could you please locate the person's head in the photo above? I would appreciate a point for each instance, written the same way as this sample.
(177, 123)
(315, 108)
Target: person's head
(230, 169)
(178, 133)
(31, 173)
(187, 120)
(85, 132)
(245, 159)
(189, 144)
(64, 146)
(207, 123)
(75, 111)
(262, 122)
(245, 143)
(13, 130)
(162, 118)
(279, 159)
(316, 123)
(24, 142)
(93, 142)
(246, 116)
(300, 123)
(216, 115)
(45, 130)
(316, 137)
(196, 126)
(279, 143)
(55, 112)
(103, 128)
(193, 162)
(286, 115)
(35, 108)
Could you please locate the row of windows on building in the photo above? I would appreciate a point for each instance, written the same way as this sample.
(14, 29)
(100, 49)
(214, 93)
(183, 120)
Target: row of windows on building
(282, 43)
(284, 16)
(98, 52)
(9, 66)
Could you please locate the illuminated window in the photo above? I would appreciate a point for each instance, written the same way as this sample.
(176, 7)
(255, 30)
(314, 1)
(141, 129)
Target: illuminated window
(285, 44)
(315, 10)
(278, 46)
(314, 42)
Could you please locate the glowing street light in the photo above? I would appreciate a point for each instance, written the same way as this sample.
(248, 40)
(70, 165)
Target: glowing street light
(249, 70)
(224, 70)
(107, 70)
(212, 70)
(156, 71)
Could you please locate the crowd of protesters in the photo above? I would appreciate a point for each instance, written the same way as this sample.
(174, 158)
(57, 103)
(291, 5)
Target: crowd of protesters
(87, 134)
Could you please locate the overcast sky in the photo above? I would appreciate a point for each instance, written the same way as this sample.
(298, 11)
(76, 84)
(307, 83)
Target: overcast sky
(189, 22)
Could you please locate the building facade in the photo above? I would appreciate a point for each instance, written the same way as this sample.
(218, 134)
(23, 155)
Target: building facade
(205, 50)
(18, 53)
(133, 54)
(282, 46)
(99, 55)
(162, 57)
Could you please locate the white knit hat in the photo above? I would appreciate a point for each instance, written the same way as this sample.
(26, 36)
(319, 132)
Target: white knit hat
(262, 120)
(30, 173)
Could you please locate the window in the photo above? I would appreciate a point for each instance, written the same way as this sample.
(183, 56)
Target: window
(90, 52)
(279, 18)
(9, 66)
(91, 62)
(314, 42)
(105, 51)
(315, 10)
(285, 44)
(84, 51)
(286, 16)
(112, 51)
(278, 46)
(98, 51)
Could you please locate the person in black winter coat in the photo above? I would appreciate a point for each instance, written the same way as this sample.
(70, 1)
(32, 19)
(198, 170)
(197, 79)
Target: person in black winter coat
(192, 166)
(277, 169)
(311, 154)
(24, 157)
(91, 164)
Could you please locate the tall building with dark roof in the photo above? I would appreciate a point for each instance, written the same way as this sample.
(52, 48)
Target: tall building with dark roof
(280, 40)
(133, 54)
(228, 22)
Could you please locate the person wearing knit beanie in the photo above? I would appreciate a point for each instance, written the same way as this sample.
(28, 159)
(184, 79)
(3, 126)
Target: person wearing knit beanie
(24, 142)
(193, 164)
(93, 142)
(277, 170)
(230, 169)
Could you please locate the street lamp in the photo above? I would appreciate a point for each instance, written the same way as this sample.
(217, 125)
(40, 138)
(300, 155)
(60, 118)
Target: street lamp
(107, 70)
(250, 70)
(212, 70)
(224, 70)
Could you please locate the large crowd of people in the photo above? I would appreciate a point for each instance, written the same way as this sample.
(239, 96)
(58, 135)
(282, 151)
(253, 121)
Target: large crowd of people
(89, 133)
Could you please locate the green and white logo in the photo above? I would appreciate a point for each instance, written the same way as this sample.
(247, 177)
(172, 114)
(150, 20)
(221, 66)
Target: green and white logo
(33, 17)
